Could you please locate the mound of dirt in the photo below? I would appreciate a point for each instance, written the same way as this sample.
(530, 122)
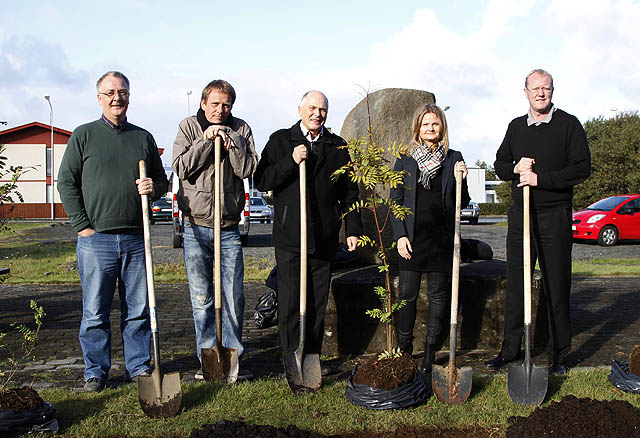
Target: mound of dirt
(578, 417)
(20, 398)
(386, 373)
(238, 429)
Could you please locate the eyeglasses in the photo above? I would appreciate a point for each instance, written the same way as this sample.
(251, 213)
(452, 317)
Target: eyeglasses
(537, 90)
(111, 93)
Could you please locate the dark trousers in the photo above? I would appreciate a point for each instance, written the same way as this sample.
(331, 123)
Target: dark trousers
(318, 278)
(551, 244)
(439, 293)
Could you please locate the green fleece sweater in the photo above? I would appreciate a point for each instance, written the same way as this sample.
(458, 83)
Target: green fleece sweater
(96, 180)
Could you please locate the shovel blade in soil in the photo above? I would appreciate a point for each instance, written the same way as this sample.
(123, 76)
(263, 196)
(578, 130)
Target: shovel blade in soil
(454, 389)
(303, 372)
(527, 383)
(220, 363)
(160, 396)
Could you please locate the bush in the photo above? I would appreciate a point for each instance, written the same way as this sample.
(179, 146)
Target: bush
(493, 209)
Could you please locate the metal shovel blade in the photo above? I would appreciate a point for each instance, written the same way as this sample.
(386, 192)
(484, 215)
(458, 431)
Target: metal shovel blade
(303, 371)
(527, 383)
(454, 390)
(220, 363)
(160, 396)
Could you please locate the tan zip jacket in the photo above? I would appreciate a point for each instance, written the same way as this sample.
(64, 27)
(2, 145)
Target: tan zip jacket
(193, 162)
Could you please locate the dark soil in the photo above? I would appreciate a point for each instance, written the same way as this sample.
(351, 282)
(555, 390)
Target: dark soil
(237, 429)
(386, 373)
(578, 417)
(634, 361)
(20, 398)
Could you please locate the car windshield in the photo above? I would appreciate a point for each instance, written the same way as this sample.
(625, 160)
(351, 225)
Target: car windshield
(607, 204)
(258, 201)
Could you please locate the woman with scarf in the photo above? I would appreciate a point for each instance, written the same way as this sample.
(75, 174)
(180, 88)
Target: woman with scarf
(425, 237)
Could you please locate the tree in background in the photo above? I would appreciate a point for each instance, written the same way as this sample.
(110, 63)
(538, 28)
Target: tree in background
(489, 172)
(615, 158)
(9, 190)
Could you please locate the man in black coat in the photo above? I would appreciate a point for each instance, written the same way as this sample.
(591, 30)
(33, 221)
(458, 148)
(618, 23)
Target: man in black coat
(278, 170)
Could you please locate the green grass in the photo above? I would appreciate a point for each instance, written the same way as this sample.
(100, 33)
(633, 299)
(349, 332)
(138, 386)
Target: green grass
(606, 267)
(268, 401)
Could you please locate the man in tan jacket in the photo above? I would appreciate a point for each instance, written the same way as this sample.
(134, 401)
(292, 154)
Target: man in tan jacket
(193, 162)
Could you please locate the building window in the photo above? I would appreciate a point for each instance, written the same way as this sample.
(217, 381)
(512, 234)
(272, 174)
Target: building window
(49, 193)
(490, 198)
(48, 153)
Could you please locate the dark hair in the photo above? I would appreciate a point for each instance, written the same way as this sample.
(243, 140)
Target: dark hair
(115, 74)
(221, 86)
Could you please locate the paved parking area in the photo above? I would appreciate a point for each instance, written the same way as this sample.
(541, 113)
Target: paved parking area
(605, 315)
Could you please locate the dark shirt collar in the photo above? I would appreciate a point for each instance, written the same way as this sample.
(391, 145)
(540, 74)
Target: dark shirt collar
(113, 125)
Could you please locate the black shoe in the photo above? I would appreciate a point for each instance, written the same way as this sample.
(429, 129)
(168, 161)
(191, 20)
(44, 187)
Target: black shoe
(496, 363)
(558, 369)
(93, 384)
(325, 369)
(429, 356)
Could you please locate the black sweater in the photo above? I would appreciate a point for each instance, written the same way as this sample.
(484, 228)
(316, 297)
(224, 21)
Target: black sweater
(561, 153)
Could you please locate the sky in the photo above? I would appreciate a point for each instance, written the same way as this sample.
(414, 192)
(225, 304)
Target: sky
(472, 54)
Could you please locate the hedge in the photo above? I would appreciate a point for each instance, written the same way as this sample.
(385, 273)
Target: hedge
(493, 209)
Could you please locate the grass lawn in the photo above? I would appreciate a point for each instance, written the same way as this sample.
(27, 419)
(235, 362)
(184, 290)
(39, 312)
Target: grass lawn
(269, 401)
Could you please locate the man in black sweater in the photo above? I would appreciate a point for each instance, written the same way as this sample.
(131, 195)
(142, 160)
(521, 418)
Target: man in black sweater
(547, 150)
(100, 187)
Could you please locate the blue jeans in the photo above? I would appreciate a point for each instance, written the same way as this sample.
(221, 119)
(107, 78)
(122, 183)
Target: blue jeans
(104, 258)
(198, 258)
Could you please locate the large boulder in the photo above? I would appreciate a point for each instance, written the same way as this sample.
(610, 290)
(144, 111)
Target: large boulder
(391, 112)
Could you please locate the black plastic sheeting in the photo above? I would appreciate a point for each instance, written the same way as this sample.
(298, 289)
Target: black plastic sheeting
(266, 310)
(29, 420)
(368, 397)
(622, 379)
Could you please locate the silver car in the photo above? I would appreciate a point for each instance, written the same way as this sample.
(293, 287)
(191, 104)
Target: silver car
(471, 213)
(260, 210)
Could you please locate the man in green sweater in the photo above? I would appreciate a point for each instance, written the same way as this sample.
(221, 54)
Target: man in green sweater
(100, 189)
(547, 150)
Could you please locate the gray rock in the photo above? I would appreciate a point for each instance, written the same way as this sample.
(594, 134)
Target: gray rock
(391, 113)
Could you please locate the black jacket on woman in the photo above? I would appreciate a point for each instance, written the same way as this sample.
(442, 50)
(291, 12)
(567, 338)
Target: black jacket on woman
(326, 200)
(406, 194)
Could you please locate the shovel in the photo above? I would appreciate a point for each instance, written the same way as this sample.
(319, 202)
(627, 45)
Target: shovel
(527, 383)
(303, 370)
(218, 363)
(160, 396)
(452, 385)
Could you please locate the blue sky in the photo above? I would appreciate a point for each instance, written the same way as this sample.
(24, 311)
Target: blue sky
(473, 55)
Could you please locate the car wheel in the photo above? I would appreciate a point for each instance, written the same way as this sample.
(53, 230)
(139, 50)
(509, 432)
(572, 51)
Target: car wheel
(608, 236)
(244, 240)
(474, 221)
(177, 241)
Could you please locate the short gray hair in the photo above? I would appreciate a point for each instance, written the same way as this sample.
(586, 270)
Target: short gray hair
(115, 74)
(540, 71)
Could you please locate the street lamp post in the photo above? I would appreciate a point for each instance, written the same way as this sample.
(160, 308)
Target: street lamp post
(53, 190)
(188, 103)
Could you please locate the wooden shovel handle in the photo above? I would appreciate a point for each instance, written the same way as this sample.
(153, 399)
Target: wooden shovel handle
(217, 276)
(303, 237)
(455, 271)
(151, 295)
(526, 248)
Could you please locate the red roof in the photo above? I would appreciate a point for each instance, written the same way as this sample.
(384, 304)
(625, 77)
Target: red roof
(35, 125)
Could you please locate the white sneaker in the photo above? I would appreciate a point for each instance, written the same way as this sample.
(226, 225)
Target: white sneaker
(199, 375)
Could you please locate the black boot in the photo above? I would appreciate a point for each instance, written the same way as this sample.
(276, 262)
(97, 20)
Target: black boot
(429, 357)
(405, 343)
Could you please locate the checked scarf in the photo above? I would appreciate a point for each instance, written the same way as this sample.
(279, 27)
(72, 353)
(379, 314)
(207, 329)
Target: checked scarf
(429, 162)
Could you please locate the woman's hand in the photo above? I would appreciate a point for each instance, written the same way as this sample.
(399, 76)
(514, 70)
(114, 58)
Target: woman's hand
(461, 167)
(404, 248)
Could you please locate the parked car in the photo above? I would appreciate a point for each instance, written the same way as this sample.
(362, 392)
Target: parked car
(178, 228)
(260, 210)
(609, 220)
(161, 210)
(470, 213)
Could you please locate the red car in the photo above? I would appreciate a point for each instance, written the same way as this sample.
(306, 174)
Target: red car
(609, 220)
